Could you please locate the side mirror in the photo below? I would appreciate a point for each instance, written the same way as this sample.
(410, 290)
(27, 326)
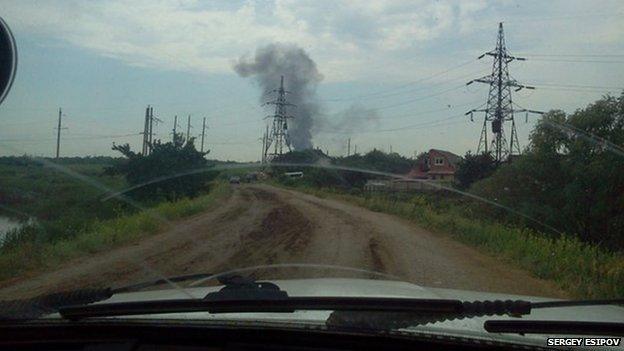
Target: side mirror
(8, 59)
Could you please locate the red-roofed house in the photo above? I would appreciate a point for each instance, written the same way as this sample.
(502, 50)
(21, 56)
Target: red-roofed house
(436, 165)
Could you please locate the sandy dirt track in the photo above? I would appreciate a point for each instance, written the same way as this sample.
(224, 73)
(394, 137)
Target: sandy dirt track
(261, 224)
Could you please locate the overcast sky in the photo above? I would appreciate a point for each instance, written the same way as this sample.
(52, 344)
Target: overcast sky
(103, 62)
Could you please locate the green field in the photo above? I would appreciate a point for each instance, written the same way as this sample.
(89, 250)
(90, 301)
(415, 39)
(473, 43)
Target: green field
(30, 253)
(61, 205)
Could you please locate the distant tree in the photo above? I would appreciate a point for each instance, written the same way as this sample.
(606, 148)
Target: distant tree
(315, 174)
(379, 161)
(473, 168)
(326, 170)
(163, 173)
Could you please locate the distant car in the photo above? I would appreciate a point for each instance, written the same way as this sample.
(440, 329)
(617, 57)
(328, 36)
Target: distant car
(294, 174)
(251, 177)
(235, 180)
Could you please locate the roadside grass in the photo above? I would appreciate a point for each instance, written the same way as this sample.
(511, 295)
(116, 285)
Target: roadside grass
(33, 254)
(581, 269)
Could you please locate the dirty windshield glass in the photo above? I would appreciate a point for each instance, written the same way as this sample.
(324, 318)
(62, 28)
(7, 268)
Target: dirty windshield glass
(467, 150)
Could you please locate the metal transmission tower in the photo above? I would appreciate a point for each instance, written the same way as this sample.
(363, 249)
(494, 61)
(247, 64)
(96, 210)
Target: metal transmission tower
(278, 136)
(500, 107)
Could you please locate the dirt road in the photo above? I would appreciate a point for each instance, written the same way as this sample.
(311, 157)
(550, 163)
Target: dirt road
(260, 224)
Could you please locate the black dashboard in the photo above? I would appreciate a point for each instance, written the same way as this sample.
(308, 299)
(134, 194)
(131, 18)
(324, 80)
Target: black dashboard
(187, 336)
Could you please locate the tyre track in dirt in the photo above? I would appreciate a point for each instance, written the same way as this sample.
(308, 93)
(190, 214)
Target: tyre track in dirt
(362, 238)
(260, 224)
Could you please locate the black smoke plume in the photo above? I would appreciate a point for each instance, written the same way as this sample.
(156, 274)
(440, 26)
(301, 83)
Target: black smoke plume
(301, 78)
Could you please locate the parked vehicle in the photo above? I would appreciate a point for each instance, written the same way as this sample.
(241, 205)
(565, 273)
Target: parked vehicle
(294, 174)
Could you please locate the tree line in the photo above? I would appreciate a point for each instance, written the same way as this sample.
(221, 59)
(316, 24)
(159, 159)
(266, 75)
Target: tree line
(570, 177)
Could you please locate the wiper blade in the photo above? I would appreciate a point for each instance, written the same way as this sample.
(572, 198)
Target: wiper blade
(395, 320)
(36, 307)
(268, 305)
(244, 295)
(554, 327)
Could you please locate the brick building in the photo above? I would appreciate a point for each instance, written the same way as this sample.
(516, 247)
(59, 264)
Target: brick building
(436, 165)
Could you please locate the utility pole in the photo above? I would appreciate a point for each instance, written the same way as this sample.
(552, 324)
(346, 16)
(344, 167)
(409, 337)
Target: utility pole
(355, 152)
(279, 136)
(58, 133)
(175, 125)
(500, 107)
(151, 129)
(348, 147)
(263, 147)
(203, 134)
(146, 131)
(265, 144)
(188, 128)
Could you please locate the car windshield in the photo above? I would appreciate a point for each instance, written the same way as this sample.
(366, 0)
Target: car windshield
(467, 150)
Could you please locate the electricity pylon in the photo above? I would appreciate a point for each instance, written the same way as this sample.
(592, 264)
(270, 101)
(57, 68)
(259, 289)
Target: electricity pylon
(500, 107)
(278, 136)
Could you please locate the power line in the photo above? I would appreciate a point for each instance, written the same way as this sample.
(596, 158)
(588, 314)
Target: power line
(575, 61)
(576, 86)
(407, 102)
(385, 91)
(423, 125)
(571, 55)
(407, 127)
(103, 136)
(576, 90)
(419, 113)
(85, 137)
(384, 96)
(567, 17)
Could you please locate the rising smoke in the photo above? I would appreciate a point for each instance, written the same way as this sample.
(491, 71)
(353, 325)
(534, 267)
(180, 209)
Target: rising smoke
(348, 121)
(301, 78)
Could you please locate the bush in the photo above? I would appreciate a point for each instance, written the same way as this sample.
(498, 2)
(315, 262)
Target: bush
(171, 170)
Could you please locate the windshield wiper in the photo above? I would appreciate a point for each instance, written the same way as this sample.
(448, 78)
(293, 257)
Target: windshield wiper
(243, 295)
(49, 303)
(554, 327)
(264, 305)
(395, 320)
(35, 307)
(361, 312)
